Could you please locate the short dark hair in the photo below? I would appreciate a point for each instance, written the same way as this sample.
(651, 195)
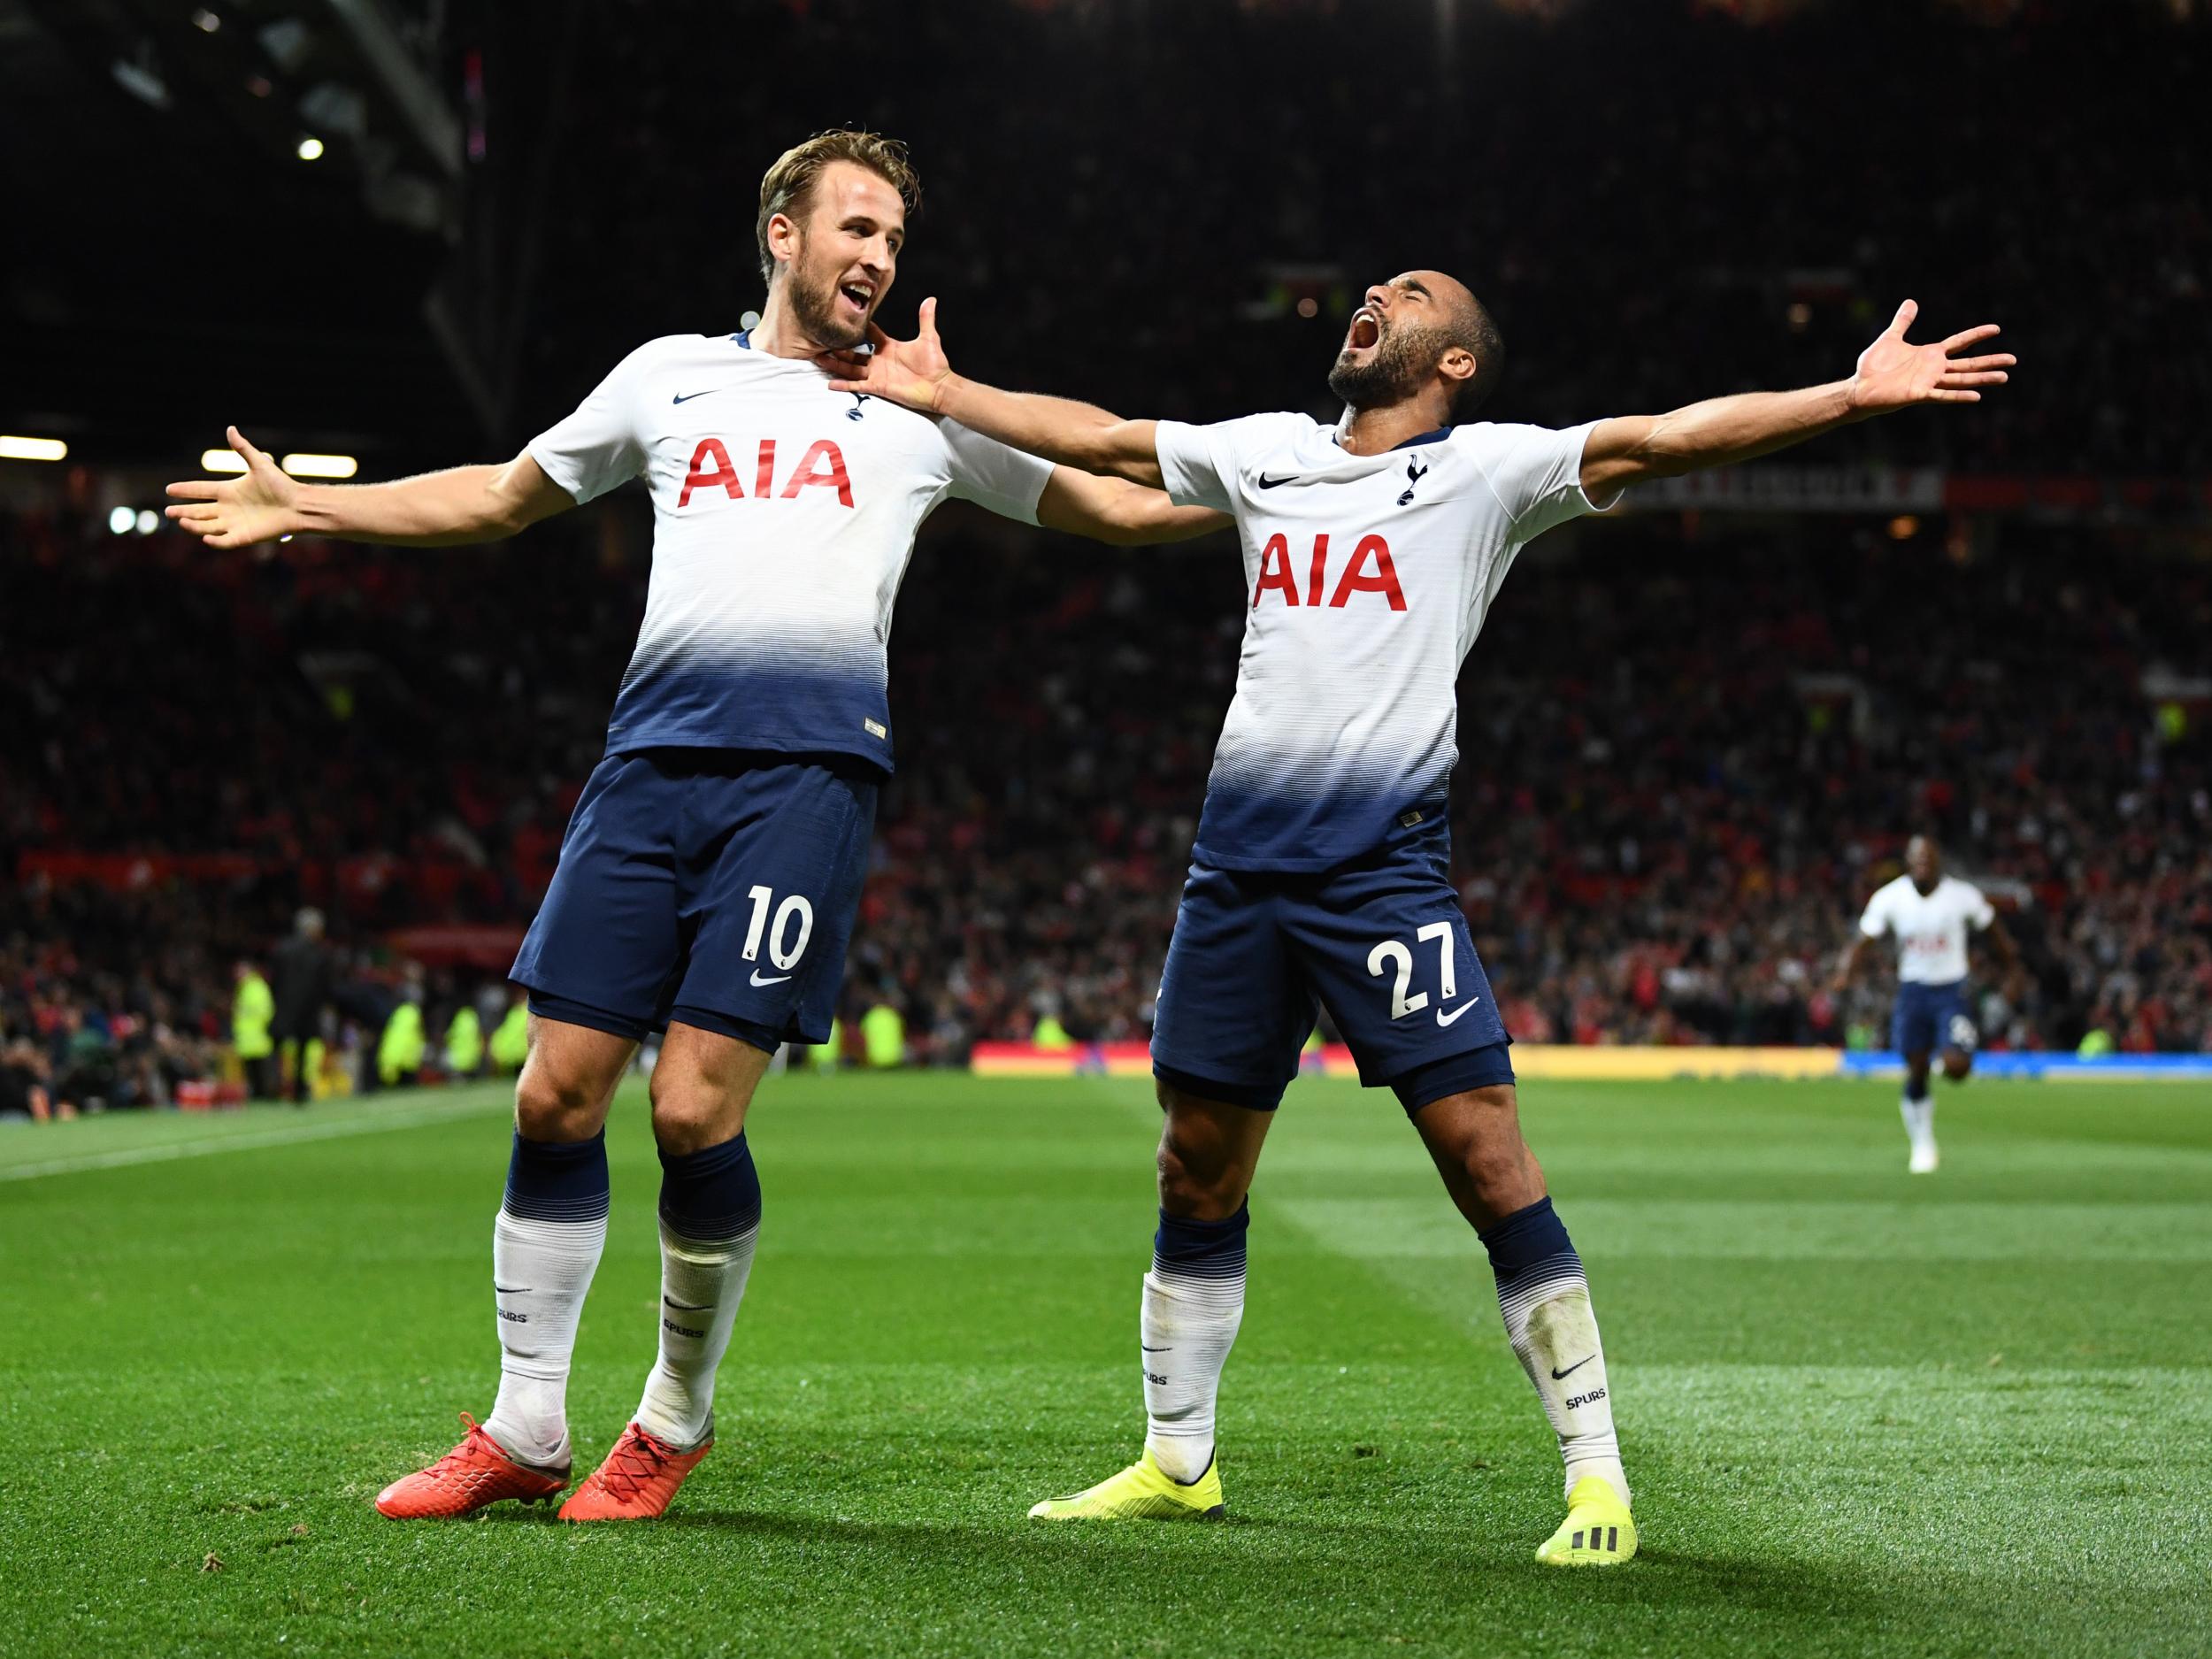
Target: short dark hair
(1475, 331)
(791, 180)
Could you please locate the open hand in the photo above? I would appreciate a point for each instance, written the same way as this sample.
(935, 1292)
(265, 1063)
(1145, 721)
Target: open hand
(1892, 373)
(911, 372)
(259, 505)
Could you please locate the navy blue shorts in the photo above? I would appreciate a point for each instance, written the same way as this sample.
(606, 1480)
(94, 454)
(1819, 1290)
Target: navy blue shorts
(1381, 941)
(1921, 1023)
(714, 888)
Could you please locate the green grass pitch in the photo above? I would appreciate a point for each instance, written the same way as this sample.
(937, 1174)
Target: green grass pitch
(1865, 1413)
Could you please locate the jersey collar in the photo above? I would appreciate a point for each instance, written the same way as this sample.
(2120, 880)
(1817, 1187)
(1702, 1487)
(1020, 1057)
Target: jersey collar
(1437, 436)
(744, 337)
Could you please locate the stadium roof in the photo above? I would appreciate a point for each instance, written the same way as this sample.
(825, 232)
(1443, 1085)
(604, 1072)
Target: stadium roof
(177, 259)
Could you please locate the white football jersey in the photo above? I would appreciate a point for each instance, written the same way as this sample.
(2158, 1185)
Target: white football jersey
(1369, 577)
(783, 516)
(1931, 927)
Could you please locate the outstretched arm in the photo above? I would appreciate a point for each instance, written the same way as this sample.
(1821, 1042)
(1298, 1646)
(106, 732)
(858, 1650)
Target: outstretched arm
(2008, 957)
(1115, 511)
(1847, 969)
(915, 373)
(1891, 374)
(467, 503)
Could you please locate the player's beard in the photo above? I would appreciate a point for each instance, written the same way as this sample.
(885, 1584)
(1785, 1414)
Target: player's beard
(813, 299)
(1404, 355)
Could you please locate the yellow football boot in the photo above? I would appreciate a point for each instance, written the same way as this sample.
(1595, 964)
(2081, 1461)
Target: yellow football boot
(1142, 1491)
(1597, 1532)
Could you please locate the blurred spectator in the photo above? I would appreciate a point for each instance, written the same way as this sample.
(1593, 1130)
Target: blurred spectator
(23, 1075)
(406, 1042)
(252, 1016)
(302, 979)
(883, 1037)
(463, 1050)
(509, 1043)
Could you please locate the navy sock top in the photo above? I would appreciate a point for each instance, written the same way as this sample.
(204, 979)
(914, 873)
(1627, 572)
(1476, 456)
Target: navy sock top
(713, 1193)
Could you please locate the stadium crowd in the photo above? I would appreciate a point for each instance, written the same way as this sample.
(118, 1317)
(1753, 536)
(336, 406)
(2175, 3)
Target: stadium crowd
(105, 997)
(1691, 753)
(1693, 748)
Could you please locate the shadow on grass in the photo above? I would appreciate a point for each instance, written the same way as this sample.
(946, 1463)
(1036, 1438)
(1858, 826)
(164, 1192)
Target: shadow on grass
(1373, 1575)
(1287, 1584)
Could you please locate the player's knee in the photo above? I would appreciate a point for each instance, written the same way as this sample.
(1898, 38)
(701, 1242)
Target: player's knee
(1495, 1150)
(692, 1124)
(1196, 1180)
(1485, 1139)
(693, 1111)
(1195, 1190)
(550, 1107)
(1957, 1064)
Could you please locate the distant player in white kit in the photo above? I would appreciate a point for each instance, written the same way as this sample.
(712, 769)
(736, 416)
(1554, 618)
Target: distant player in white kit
(1372, 551)
(1932, 915)
(711, 874)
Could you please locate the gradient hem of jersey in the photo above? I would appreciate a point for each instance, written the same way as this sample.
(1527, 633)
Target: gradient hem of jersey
(870, 751)
(1393, 830)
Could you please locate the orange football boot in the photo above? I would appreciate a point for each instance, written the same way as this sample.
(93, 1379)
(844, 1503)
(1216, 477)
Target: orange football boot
(476, 1472)
(635, 1483)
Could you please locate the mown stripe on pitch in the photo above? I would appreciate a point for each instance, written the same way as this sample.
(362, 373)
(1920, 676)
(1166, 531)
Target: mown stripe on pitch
(292, 1134)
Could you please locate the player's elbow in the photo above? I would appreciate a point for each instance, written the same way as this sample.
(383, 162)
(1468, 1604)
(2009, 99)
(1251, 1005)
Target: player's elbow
(1167, 522)
(1122, 513)
(1654, 446)
(1125, 527)
(1139, 517)
(504, 514)
(1121, 451)
(1656, 457)
(517, 496)
(1626, 451)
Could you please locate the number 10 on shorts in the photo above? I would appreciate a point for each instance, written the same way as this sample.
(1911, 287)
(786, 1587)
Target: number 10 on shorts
(795, 907)
(1394, 952)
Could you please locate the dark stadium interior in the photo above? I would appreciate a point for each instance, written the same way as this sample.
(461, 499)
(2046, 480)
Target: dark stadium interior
(1694, 739)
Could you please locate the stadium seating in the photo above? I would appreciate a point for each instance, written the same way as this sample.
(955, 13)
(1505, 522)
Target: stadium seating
(1690, 755)
(1690, 752)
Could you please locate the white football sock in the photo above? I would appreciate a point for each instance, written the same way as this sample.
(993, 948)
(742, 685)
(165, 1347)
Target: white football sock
(1919, 1116)
(541, 1271)
(702, 1282)
(1545, 1303)
(1193, 1300)
(1559, 1332)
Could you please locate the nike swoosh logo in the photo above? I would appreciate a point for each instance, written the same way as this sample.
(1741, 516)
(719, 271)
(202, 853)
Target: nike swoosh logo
(1269, 483)
(1156, 1351)
(1570, 1370)
(684, 397)
(687, 1307)
(774, 979)
(1442, 1018)
(511, 1290)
